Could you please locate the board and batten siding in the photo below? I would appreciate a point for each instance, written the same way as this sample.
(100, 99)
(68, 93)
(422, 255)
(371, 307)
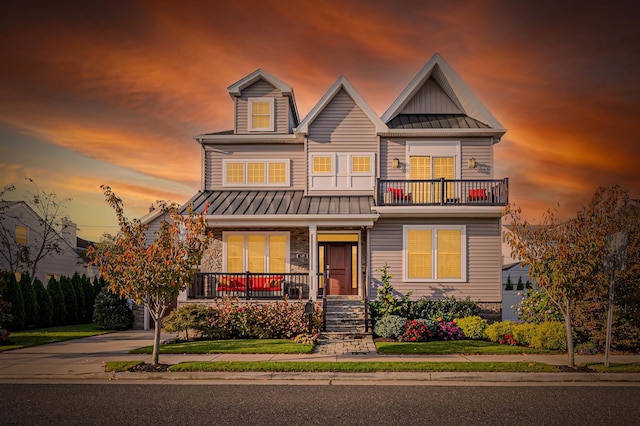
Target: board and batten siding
(258, 90)
(431, 99)
(213, 162)
(484, 269)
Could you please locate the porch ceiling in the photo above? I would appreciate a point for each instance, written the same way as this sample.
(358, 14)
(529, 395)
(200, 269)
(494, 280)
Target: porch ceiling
(278, 203)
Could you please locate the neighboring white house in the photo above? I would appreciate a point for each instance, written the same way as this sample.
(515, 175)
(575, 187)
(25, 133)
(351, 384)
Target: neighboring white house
(511, 268)
(22, 231)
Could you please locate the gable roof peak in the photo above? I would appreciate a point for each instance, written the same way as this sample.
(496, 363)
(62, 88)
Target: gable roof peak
(341, 84)
(238, 86)
(437, 68)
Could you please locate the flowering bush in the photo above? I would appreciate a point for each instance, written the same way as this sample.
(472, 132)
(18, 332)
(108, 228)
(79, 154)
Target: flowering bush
(507, 339)
(416, 331)
(449, 330)
(306, 338)
(497, 330)
(537, 307)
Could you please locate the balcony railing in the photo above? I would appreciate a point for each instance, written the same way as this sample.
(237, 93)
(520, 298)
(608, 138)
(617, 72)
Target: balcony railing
(443, 192)
(212, 285)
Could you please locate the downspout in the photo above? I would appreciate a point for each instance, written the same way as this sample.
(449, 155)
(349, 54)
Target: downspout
(367, 278)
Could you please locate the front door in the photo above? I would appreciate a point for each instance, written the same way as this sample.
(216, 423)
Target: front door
(337, 264)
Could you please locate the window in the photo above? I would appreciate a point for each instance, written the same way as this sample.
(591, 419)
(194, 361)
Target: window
(256, 252)
(261, 114)
(21, 234)
(433, 161)
(342, 170)
(255, 172)
(435, 253)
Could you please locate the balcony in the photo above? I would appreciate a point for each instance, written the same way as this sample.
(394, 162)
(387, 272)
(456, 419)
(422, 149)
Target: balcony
(443, 192)
(212, 285)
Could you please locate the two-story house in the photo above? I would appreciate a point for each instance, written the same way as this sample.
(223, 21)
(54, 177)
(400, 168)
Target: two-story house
(313, 208)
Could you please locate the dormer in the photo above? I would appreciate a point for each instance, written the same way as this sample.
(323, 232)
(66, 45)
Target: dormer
(263, 105)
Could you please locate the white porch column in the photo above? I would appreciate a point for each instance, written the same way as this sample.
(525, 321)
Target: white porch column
(313, 262)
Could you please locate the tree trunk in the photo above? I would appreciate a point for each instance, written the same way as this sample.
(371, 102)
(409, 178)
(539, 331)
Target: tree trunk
(567, 323)
(156, 337)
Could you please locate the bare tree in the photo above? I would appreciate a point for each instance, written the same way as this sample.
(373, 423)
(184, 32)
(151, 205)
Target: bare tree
(44, 232)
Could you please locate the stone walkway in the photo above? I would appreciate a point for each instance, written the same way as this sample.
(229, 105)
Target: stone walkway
(345, 344)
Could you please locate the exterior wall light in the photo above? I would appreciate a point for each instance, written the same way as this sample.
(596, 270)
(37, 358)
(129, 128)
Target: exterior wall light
(396, 163)
(472, 163)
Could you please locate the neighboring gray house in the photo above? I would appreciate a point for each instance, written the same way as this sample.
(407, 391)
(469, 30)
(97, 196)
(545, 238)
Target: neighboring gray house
(21, 232)
(313, 208)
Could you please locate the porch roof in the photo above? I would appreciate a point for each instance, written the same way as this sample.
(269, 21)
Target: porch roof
(279, 203)
(435, 121)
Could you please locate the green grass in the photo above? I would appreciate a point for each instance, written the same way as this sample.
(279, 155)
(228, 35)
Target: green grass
(363, 367)
(42, 336)
(614, 368)
(475, 347)
(118, 366)
(240, 346)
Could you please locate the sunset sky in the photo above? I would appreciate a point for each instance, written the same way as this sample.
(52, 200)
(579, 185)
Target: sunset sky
(111, 92)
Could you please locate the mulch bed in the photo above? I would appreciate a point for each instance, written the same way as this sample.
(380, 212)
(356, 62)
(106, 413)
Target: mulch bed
(150, 368)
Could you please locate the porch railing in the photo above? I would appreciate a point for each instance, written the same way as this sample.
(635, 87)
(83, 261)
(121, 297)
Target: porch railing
(442, 192)
(247, 285)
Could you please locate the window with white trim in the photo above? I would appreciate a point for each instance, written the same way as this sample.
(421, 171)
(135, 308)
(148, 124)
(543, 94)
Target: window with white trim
(434, 253)
(343, 170)
(261, 114)
(256, 252)
(255, 172)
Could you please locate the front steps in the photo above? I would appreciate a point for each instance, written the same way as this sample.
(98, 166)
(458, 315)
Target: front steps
(344, 314)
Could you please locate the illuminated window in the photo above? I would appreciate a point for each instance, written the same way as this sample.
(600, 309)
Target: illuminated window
(360, 164)
(256, 252)
(322, 164)
(21, 234)
(435, 253)
(261, 114)
(255, 173)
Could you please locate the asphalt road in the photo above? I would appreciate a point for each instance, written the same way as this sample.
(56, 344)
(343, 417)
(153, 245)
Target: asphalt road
(135, 404)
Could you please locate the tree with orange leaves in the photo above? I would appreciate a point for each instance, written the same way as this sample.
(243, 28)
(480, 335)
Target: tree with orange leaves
(152, 273)
(566, 257)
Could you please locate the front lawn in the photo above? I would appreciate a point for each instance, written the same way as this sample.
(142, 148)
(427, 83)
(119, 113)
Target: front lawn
(445, 347)
(614, 368)
(42, 336)
(240, 346)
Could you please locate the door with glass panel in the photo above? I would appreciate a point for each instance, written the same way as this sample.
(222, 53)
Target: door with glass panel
(337, 264)
(427, 168)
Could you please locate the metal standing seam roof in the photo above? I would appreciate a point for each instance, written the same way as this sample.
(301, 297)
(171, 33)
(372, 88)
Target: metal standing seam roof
(435, 121)
(258, 203)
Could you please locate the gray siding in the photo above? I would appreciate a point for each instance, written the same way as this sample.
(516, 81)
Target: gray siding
(484, 271)
(390, 149)
(430, 99)
(213, 162)
(257, 90)
(342, 127)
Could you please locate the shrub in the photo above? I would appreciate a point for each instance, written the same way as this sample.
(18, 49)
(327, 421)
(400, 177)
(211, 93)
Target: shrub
(57, 301)
(188, 317)
(449, 330)
(509, 285)
(550, 335)
(520, 285)
(497, 330)
(391, 326)
(445, 309)
(70, 300)
(472, 327)
(537, 307)
(387, 303)
(416, 330)
(89, 298)
(30, 301)
(112, 312)
(12, 294)
(524, 333)
(45, 308)
(81, 304)
(507, 339)
(306, 338)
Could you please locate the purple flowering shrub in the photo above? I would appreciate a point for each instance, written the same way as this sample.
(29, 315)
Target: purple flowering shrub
(449, 330)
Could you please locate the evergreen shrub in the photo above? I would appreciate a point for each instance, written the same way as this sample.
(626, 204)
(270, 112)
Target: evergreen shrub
(497, 330)
(472, 327)
(391, 326)
(112, 312)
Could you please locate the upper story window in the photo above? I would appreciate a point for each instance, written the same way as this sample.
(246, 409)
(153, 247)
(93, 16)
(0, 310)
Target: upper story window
(261, 114)
(342, 170)
(21, 234)
(255, 172)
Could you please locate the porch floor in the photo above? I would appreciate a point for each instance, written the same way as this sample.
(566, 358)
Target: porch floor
(345, 344)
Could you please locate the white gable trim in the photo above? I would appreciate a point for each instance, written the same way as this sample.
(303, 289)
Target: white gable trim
(237, 87)
(467, 99)
(341, 83)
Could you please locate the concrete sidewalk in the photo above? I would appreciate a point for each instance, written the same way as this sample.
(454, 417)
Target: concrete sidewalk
(84, 360)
